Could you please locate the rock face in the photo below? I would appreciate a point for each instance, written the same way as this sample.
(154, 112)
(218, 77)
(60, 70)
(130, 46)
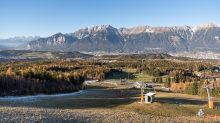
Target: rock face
(56, 42)
(145, 39)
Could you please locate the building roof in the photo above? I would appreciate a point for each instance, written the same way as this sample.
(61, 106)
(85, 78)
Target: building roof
(150, 94)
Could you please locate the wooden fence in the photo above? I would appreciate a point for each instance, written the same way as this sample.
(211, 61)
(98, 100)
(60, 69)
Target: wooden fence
(216, 117)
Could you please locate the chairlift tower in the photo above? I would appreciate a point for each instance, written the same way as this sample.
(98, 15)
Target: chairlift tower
(142, 74)
(209, 98)
(142, 95)
(207, 87)
(120, 84)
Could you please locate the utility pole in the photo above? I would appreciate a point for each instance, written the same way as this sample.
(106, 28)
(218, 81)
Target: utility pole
(142, 96)
(120, 84)
(208, 93)
(128, 86)
(142, 73)
(128, 81)
(209, 102)
(171, 76)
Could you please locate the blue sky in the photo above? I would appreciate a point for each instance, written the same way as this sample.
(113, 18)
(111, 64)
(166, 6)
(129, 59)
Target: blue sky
(48, 17)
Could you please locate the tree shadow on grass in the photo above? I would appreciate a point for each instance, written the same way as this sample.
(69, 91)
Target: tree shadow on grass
(122, 76)
(88, 99)
(95, 99)
(95, 87)
(180, 98)
(181, 101)
(94, 103)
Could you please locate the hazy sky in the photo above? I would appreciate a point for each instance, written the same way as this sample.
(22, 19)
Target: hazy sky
(48, 17)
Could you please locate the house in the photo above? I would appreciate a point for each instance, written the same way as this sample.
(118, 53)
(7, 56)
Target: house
(197, 73)
(188, 70)
(211, 79)
(217, 70)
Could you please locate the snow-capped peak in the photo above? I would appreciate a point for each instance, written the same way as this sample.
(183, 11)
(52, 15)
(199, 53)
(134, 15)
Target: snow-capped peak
(204, 26)
(95, 28)
(84, 32)
(23, 38)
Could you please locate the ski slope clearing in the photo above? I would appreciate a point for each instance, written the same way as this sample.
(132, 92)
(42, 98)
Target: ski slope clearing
(99, 103)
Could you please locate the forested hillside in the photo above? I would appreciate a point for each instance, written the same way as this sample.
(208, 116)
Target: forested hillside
(157, 68)
(63, 76)
(48, 76)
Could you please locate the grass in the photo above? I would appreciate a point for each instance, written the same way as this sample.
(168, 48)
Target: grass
(133, 76)
(37, 54)
(165, 103)
(131, 70)
(102, 95)
(168, 109)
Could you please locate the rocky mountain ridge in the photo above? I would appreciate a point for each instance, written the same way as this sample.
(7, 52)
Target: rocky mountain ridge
(144, 39)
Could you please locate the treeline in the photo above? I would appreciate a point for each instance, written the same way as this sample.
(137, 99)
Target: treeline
(157, 80)
(175, 71)
(72, 73)
(87, 69)
(150, 56)
(195, 66)
(157, 64)
(196, 88)
(16, 86)
(51, 76)
(140, 56)
(177, 76)
(180, 76)
(31, 82)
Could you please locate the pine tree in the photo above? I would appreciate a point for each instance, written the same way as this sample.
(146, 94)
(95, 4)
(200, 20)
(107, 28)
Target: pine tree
(160, 80)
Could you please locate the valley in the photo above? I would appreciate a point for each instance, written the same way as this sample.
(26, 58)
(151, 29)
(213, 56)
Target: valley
(109, 61)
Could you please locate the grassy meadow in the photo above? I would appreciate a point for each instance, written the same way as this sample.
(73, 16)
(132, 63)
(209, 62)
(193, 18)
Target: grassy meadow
(133, 76)
(102, 96)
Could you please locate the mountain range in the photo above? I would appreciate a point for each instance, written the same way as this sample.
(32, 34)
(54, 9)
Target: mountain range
(140, 39)
(16, 41)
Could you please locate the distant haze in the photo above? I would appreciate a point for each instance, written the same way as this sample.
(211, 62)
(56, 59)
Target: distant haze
(16, 41)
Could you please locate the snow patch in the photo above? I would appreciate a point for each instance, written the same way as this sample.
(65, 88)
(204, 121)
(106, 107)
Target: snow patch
(90, 81)
(33, 98)
(203, 26)
(148, 30)
(217, 37)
